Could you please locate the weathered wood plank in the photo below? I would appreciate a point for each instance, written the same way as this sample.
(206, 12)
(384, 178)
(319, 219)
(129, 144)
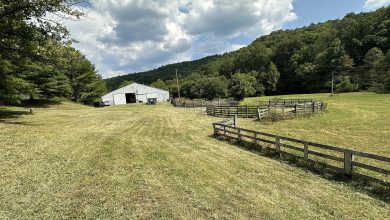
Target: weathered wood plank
(306, 151)
(372, 156)
(265, 140)
(370, 167)
(293, 140)
(348, 159)
(327, 156)
(324, 146)
(291, 147)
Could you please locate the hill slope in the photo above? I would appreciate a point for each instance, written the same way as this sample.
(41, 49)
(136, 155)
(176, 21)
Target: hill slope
(153, 162)
(355, 49)
(164, 73)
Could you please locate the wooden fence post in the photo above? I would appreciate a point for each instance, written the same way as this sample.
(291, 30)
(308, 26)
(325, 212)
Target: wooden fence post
(313, 107)
(239, 135)
(235, 120)
(215, 129)
(228, 111)
(277, 146)
(214, 109)
(247, 112)
(296, 110)
(224, 131)
(348, 159)
(255, 138)
(306, 151)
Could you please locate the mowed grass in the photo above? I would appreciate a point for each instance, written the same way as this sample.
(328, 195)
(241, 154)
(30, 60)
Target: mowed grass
(152, 162)
(360, 121)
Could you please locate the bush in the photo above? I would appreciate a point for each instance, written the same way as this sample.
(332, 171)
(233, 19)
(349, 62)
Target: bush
(346, 85)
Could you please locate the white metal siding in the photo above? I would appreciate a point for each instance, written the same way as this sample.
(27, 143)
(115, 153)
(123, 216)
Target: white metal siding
(119, 99)
(142, 92)
(141, 98)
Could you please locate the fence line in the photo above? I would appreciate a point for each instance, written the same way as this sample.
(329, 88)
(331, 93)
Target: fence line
(286, 110)
(285, 101)
(313, 152)
(202, 103)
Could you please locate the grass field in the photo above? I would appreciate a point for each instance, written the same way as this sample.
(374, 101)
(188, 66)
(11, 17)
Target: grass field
(137, 161)
(356, 120)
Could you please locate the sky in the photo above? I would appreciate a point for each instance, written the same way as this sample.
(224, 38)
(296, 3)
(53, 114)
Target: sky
(127, 36)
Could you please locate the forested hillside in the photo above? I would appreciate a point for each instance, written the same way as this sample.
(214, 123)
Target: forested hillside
(36, 57)
(164, 73)
(354, 49)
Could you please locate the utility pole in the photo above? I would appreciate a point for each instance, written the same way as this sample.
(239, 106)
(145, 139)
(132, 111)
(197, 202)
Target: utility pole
(332, 82)
(177, 83)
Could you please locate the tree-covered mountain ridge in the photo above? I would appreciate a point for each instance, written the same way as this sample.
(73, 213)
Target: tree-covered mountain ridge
(354, 49)
(165, 72)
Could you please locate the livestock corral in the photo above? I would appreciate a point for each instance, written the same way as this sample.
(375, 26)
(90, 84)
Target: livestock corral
(273, 109)
(202, 103)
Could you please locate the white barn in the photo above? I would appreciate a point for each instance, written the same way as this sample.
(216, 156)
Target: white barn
(134, 93)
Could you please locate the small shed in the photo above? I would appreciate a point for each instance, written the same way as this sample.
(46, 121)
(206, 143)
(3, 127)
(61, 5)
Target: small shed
(134, 93)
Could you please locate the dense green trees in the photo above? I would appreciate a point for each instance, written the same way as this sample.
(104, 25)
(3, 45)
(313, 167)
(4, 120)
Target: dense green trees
(125, 83)
(303, 60)
(159, 84)
(36, 58)
(242, 85)
(164, 73)
(201, 86)
(381, 74)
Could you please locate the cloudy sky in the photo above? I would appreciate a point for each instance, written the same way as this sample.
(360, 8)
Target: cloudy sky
(125, 36)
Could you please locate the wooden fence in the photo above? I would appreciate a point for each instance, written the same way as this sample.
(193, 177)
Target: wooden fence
(284, 102)
(202, 103)
(282, 111)
(229, 111)
(342, 160)
(262, 113)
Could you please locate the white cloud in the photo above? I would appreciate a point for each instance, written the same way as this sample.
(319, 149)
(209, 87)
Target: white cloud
(136, 35)
(375, 4)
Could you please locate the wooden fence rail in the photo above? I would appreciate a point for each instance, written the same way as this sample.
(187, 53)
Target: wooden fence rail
(284, 110)
(285, 101)
(379, 167)
(202, 103)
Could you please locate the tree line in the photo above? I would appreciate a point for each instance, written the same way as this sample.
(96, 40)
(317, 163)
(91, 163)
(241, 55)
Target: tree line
(164, 73)
(355, 50)
(37, 60)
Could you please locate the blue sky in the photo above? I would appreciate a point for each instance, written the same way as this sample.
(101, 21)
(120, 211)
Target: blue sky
(128, 36)
(314, 11)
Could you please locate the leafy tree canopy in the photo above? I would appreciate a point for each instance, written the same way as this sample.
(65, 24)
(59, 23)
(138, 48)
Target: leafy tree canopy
(296, 61)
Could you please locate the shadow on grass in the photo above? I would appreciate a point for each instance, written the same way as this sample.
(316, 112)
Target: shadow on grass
(9, 114)
(39, 103)
(6, 116)
(15, 122)
(374, 188)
